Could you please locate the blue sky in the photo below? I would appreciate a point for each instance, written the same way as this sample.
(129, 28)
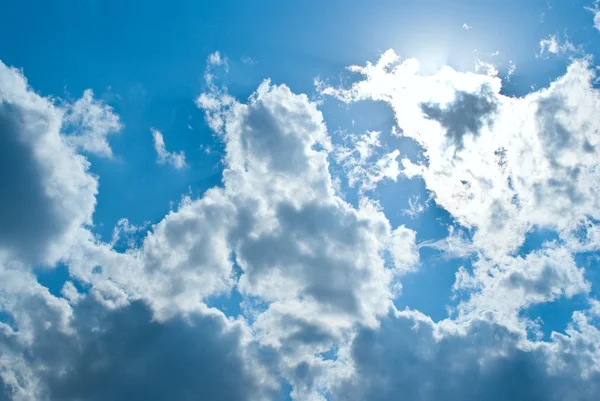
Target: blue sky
(306, 201)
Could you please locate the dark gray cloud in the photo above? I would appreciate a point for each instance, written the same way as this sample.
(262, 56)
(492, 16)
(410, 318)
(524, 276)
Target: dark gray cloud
(4, 391)
(28, 219)
(297, 246)
(124, 355)
(46, 193)
(465, 115)
(403, 361)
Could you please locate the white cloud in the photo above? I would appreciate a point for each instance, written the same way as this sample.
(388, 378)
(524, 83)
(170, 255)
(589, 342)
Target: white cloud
(89, 122)
(596, 11)
(213, 61)
(466, 26)
(498, 164)
(404, 250)
(500, 291)
(278, 217)
(47, 196)
(47, 193)
(315, 263)
(360, 156)
(163, 156)
(501, 166)
(319, 272)
(512, 67)
(552, 45)
(415, 207)
(216, 59)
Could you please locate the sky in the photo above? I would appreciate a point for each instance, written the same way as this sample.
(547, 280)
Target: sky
(313, 201)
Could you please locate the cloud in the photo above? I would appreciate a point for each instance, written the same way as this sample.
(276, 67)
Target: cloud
(410, 357)
(466, 114)
(88, 122)
(318, 275)
(502, 167)
(276, 230)
(499, 165)
(215, 59)
(363, 160)
(277, 217)
(552, 45)
(404, 250)
(176, 160)
(46, 191)
(123, 353)
(27, 313)
(596, 11)
(499, 292)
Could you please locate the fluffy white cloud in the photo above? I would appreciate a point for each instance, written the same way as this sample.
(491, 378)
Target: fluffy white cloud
(48, 196)
(501, 166)
(498, 164)
(318, 273)
(552, 44)
(277, 217)
(404, 250)
(46, 191)
(363, 165)
(596, 11)
(88, 122)
(316, 265)
(498, 292)
(163, 156)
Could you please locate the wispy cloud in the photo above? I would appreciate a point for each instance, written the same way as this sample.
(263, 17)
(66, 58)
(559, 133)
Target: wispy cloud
(163, 156)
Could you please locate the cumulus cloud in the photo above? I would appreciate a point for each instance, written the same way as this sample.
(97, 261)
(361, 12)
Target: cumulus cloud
(501, 166)
(123, 353)
(277, 217)
(410, 357)
(46, 191)
(499, 292)
(319, 274)
(316, 264)
(498, 164)
(163, 156)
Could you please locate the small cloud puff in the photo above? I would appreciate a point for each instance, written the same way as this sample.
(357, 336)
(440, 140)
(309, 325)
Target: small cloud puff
(89, 122)
(553, 45)
(163, 156)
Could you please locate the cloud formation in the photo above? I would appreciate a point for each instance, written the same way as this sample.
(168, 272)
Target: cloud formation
(163, 156)
(551, 44)
(318, 276)
(120, 354)
(46, 191)
(88, 122)
(412, 358)
(511, 163)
